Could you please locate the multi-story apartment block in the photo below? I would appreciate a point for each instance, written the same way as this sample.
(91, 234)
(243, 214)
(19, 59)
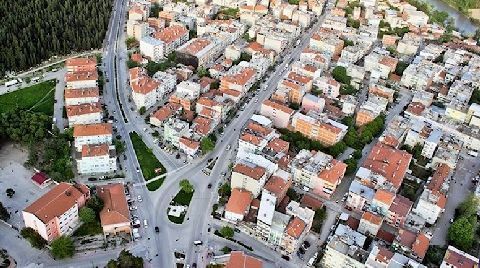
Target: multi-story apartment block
(152, 48)
(249, 176)
(92, 134)
(345, 249)
(200, 51)
(88, 113)
(81, 65)
(172, 37)
(81, 79)
(238, 204)
(96, 159)
(81, 96)
(173, 130)
(319, 127)
(279, 114)
(145, 92)
(115, 215)
(56, 212)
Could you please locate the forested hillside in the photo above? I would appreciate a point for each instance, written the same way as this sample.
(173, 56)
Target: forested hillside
(32, 31)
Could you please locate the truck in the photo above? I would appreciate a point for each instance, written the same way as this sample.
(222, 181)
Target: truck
(11, 82)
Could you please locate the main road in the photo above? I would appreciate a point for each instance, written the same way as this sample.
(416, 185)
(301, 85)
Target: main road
(174, 237)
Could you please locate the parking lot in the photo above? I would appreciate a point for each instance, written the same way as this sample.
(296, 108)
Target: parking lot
(14, 175)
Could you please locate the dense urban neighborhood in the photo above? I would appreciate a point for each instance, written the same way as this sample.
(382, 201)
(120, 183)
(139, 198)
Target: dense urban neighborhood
(241, 134)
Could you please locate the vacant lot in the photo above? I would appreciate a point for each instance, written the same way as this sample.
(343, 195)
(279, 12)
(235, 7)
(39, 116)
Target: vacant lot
(39, 98)
(147, 160)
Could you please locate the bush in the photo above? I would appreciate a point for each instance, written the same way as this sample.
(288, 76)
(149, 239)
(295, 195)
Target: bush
(62, 247)
(35, 239)
(126, 260)
(186, 186)
(227, 232)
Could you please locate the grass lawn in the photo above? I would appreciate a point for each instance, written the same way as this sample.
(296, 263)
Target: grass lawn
(183, 198)
(154, 185)
(88, 229)
(40, 96)
(177, 220)
(148, 162)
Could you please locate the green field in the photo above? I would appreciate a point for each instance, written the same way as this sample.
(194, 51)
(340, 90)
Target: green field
(39, 98)
(147, 160)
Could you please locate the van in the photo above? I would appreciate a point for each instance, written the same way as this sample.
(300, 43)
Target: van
(145, 224)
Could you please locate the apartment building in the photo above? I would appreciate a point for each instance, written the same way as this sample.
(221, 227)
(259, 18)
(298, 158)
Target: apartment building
(279, 114)
(173, 130)
(188, 146)
(249, 176)
(359, 196)
(56, 213)
(240, 81)
(81, 79)
(88, 113)
(81, 96)
(317, 171)
(433, 199)
(145, 92)
(163, 113)
(96, 159)
(409, 44)
(329, 86)
(92, 134)
(345, 249)
(186, 94)
(152, 48)
(137, 29)
(370, 223)
(382, 257)
(115, 215)
(81, 65)
(326, 41)
(385, 167)
(172, 37)
(455, 258)
(398, 211)
(412, 244)
(319, 127)
(313, 103)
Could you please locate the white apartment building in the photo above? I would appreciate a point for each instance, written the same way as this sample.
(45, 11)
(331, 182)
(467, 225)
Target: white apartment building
(75, 80)
(96, 159)
(81, 95)
(92, 134)
(152, 48)
(89, 113)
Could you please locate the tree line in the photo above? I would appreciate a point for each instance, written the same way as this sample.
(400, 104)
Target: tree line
(34, 31)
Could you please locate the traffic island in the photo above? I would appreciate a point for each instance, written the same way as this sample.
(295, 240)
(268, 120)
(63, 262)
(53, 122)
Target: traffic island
(179, 204)
(149, 163)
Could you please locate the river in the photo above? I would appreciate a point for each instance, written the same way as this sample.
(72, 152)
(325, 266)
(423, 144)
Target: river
(462, 22)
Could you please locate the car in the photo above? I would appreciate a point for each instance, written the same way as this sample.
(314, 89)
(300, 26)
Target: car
(138, 170)
(301, 251)
(228, 147)
(139, 198)
(133, 208)
(306, 244)
(451, 220)
(285, 257)
(157, 230)
(145, 223)
(209, 186)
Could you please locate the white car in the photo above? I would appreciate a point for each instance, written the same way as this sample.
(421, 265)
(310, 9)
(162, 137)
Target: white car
(139, 198)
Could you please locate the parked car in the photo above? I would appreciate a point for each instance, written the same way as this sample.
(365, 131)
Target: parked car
(209, 186)
(157, 230)
(139, 198)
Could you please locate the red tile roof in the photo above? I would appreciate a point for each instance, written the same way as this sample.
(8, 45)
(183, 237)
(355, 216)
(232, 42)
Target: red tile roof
(255, 172)
(295, 227)
(39, 178)
(239, 260)
(115, 207)
(335, 173)
(388, 162)
(239, 201)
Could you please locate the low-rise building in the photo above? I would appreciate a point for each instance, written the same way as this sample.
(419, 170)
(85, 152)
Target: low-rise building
(114, 216)
(238, 205)
(56, 213)
(189, 146)
(370, 223)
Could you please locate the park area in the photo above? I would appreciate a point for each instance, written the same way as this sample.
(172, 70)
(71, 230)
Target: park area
(149, 163)
(38, 98)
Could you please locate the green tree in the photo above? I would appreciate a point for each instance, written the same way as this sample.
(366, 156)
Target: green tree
(207, 145)
(131, 42)
(155, 9)
(4, 215)
(475, 98)
(119, 146)
(401, 66)
(202, 71)
(339, 73)
(35, 239)
(225, 190)
(461, 233)
(318, 219)
(227, 232)
(126, 260)
(186, 186)
(351, 165)
(353, 23)
(87, 215)
(62, 247)
(96, 204)
(142, 110)
(10, 192)
(337, 149)
(469, 206)
(132, 64)
(347, 90)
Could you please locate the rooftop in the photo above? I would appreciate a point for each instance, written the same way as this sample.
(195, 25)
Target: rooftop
(115, 207)
(92, 129)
